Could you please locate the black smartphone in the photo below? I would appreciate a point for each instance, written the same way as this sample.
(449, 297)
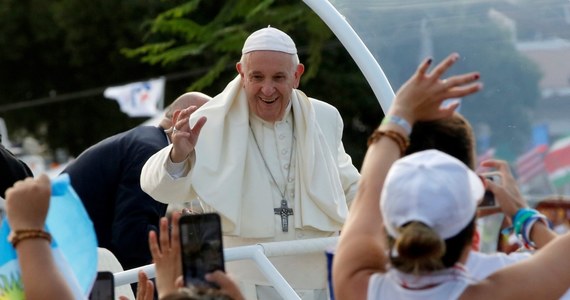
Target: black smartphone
(202, 249)
(489, 198)
(104, 287)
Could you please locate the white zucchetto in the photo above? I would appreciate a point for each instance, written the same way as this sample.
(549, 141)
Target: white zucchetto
(269, 39)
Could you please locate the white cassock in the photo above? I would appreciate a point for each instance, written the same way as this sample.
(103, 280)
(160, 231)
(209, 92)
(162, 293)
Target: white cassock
(229, 176)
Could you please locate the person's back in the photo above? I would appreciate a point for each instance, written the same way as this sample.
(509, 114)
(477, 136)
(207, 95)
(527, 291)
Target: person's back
(397, 285)
(424, 220)
(106, 178)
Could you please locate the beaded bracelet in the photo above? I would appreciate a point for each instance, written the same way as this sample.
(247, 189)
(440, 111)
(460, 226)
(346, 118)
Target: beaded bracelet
(398, 138)
(16, 236)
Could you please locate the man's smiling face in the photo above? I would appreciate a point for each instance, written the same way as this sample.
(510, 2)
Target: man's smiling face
(269, 78)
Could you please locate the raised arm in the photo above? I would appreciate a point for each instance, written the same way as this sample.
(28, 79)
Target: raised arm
(27, 204)
(545, 275)
(362, 245)
(510, 200)
(164, 175)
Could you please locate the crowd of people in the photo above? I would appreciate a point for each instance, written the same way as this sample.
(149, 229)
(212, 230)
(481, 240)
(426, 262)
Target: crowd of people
(270, 161)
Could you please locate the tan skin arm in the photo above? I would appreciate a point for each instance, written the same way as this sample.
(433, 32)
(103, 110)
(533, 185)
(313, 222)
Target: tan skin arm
(362, 245)
(543, 276)
(27, 203)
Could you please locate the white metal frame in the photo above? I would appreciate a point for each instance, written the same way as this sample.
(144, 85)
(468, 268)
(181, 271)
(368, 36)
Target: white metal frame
(357, 49)
(259, 253)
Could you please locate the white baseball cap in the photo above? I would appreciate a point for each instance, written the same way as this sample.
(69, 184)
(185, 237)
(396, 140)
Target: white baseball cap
(269, 39)
(433, 188)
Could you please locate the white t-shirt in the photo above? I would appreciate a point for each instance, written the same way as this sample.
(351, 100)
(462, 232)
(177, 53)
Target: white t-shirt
(390, 286)
(481, 265)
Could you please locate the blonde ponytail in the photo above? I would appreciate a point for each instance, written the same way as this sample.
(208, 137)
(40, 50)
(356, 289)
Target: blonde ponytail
(419, 250)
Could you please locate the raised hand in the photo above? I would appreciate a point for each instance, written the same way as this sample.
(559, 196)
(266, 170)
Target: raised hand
(27, 203)
(420, 98)
(184, 138)
(507, 194)
(167, 258)
(227, 286)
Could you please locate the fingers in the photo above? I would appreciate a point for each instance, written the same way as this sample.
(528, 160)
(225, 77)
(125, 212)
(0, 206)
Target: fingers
(175, 234)
(227, 285)
(462, 85)
(501, 166)
(508, 204)
(43, 179)
(462, 91)
(423, 67)
(198, 126)
(216, 277)
(164, 235)
(181, 122)
(153, 245)
(462, 79)
(449, 110)
(145, 287)
(179, 282)
(444, 65)
(507, 193)
(149, 294)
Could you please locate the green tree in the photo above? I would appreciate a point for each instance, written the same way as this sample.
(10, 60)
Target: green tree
(56, 47)
(211, 33)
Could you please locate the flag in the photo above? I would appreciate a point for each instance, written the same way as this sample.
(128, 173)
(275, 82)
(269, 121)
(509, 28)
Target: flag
(531, 164)
(138, 99)
(74, 245)
(557, 162)
(488, 154)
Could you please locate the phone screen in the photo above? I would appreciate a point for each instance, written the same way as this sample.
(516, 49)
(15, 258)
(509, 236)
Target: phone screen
(489, 198)
(202, 250)
(104, 287)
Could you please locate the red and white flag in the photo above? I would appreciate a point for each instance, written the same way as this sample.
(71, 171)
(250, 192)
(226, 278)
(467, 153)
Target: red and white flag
(138, 99)
(531, 164)
(557, 162)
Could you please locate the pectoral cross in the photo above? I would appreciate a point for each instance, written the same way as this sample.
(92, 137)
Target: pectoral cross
(284, 212)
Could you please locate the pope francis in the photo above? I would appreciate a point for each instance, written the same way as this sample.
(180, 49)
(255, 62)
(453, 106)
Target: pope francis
(268, 159)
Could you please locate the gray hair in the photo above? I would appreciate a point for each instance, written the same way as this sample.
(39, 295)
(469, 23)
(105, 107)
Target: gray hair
(294, 58)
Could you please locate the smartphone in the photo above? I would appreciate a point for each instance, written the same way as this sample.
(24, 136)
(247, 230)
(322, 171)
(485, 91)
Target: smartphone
(489, 198)
(202, 249)
(104, 287)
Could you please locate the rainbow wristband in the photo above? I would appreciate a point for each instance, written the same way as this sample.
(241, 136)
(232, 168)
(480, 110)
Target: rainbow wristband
(520, 217)
(527, 227)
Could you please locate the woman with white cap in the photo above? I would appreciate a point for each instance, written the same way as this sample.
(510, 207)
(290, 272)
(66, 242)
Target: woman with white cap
(427, 208)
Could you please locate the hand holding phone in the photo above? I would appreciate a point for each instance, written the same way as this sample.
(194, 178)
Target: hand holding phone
(202, 249)
(489, 201)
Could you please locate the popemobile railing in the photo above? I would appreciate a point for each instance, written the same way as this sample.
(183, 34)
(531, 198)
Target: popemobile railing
(259, 253)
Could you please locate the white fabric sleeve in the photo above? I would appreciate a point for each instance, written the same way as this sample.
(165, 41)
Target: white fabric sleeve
(349, 175)
(176, 170)
(167, 185)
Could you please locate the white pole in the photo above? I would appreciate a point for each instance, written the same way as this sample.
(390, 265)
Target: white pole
(357, 49)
